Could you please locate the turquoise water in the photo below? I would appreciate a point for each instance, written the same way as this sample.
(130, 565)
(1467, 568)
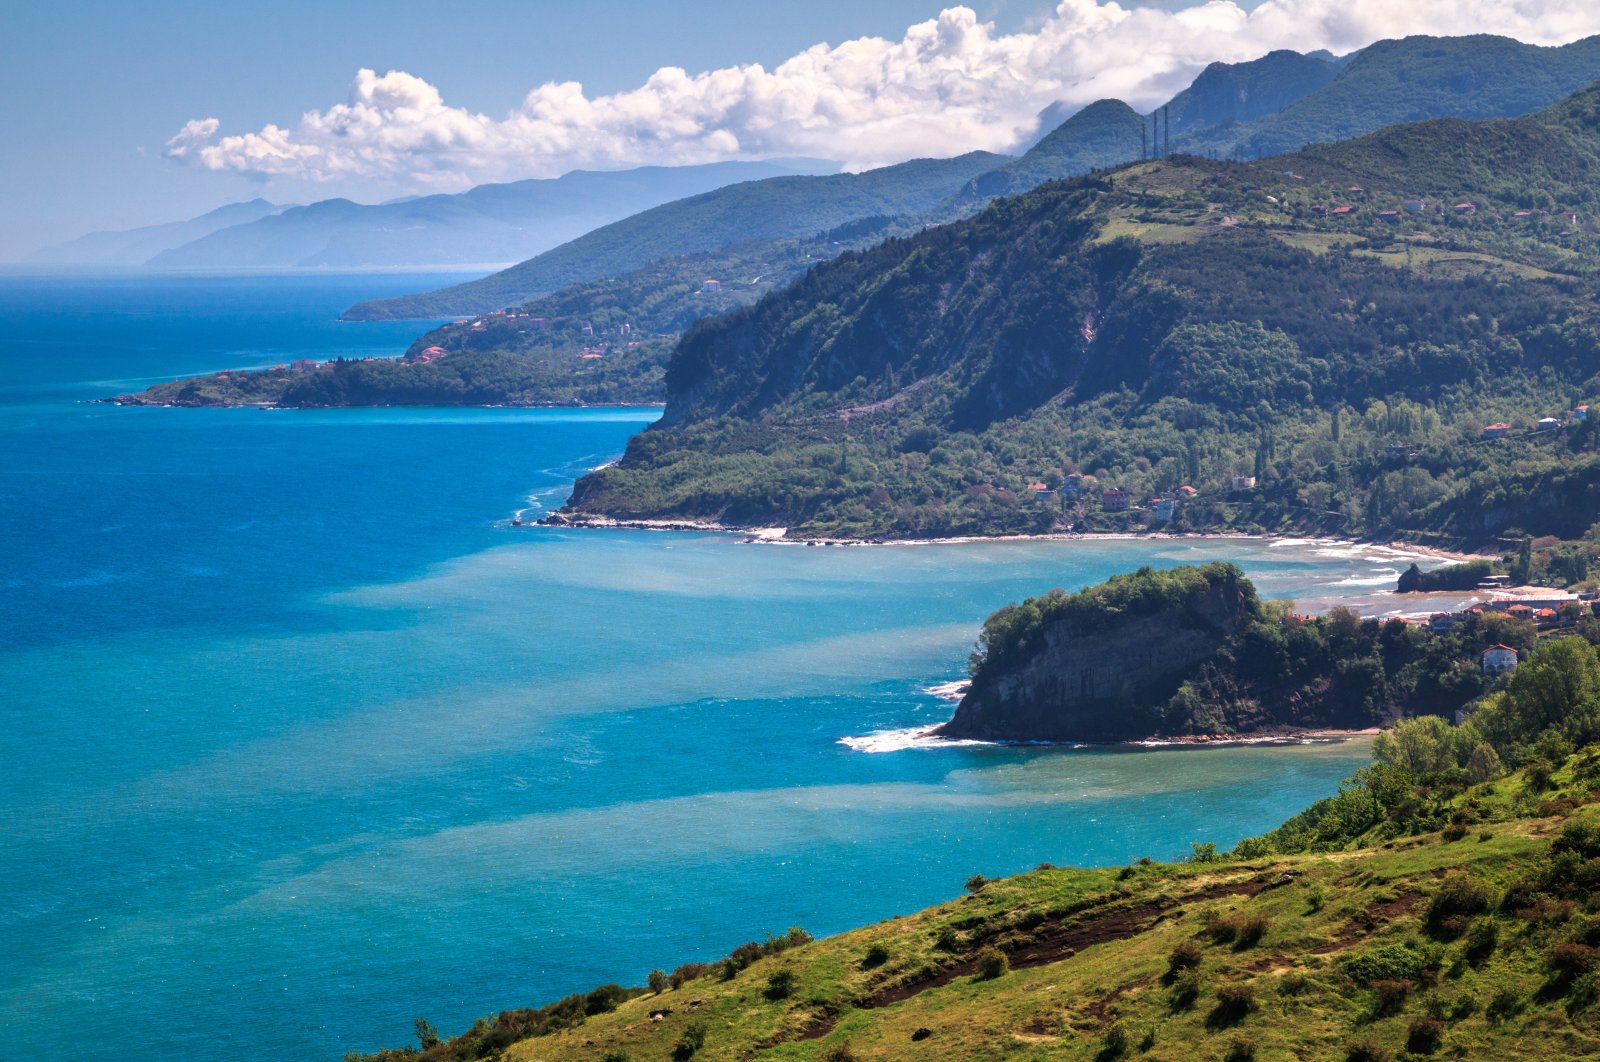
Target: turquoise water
(304, 740)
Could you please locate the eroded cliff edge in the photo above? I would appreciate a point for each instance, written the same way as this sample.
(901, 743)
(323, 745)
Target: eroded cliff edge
(1193, 651)
(1100, 665)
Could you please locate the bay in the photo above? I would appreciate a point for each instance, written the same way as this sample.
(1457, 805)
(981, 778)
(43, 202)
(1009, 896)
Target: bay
(304, 739)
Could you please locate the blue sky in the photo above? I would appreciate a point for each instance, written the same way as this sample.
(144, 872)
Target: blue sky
(88, 84)
(122, 114)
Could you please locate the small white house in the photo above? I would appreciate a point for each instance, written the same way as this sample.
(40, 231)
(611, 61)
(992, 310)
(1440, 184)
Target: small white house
(1498, 659)
(1549, 423)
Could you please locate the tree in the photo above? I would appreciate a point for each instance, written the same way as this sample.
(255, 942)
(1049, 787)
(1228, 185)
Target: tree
(1484, 763)
(657, 981)
(1522, 570)
(427, 1034)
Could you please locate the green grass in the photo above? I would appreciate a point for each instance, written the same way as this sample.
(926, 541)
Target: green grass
(1090, 954)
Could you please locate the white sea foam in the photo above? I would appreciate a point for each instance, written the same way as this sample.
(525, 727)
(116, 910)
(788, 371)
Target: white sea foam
(917, 737)
(1380, 577)
(948, 691)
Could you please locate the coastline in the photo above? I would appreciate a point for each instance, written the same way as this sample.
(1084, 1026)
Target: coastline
(928, 738)
(777, 536)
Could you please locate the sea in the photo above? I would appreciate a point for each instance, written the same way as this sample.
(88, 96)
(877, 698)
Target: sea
(304, 738)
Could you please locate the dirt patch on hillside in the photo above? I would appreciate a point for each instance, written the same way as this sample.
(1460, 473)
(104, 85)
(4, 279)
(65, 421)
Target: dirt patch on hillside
(1053, 942)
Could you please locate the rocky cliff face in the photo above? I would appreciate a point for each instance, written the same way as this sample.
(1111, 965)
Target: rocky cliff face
(1081, 684)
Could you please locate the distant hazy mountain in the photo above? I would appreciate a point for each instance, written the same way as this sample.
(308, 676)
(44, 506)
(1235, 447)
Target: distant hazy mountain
(490, 223)
(134, 247)
(754, 210)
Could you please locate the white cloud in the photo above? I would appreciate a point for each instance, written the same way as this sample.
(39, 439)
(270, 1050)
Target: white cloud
(950, 85)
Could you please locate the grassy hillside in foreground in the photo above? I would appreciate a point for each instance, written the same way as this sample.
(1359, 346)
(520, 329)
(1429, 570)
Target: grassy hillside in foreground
(1304, 356)
(1416, 915)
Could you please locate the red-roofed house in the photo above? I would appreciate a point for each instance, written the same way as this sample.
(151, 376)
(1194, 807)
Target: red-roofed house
(1114, 500)
(1497, 430)
(1498, 659)
(1341, 210)
(1465, 208)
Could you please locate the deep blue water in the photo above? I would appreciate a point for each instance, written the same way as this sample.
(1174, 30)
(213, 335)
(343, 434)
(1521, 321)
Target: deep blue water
(304, 740)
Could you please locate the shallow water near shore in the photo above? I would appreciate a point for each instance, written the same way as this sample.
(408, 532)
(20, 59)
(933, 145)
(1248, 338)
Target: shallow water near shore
(305, 740)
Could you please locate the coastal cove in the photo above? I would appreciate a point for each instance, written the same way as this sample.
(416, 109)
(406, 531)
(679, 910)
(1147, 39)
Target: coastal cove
(307, 740)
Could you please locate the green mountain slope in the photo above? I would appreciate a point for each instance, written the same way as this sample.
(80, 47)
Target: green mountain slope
(1100, 136)
(1230, 93)
(1173, 323)
(1406, 80)
(753, 210)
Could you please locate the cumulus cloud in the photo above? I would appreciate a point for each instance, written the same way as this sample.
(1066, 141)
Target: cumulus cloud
(951, 84)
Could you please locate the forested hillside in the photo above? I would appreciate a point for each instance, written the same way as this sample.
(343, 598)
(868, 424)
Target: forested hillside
(1339, 324)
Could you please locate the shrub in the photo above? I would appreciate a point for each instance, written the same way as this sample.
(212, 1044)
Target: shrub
(615, 1056)
(1503, 1004)
(689, 971)
(657, 981)
(1391, 962)
(976, 883)
(1453, 832)
(1251, 928)
(604, 1000)
(1117, 1042)
(1365, 1051)
(1568, 960)
(1185, 989)
(1242, 1049)
(992, 963)
(876, 956)
(1460, 896)
(1204, 852)
(1315, 898)
(1292, 984)
(839, 1053)
(780, 985)
(1185, 956)
(947, 940)
(1234, 1001)
(692, 1040)
(1389, 995)
(1423, 1035)
(1583, 994)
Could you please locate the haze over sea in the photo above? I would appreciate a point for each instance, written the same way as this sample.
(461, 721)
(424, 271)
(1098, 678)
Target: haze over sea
(303, 740)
